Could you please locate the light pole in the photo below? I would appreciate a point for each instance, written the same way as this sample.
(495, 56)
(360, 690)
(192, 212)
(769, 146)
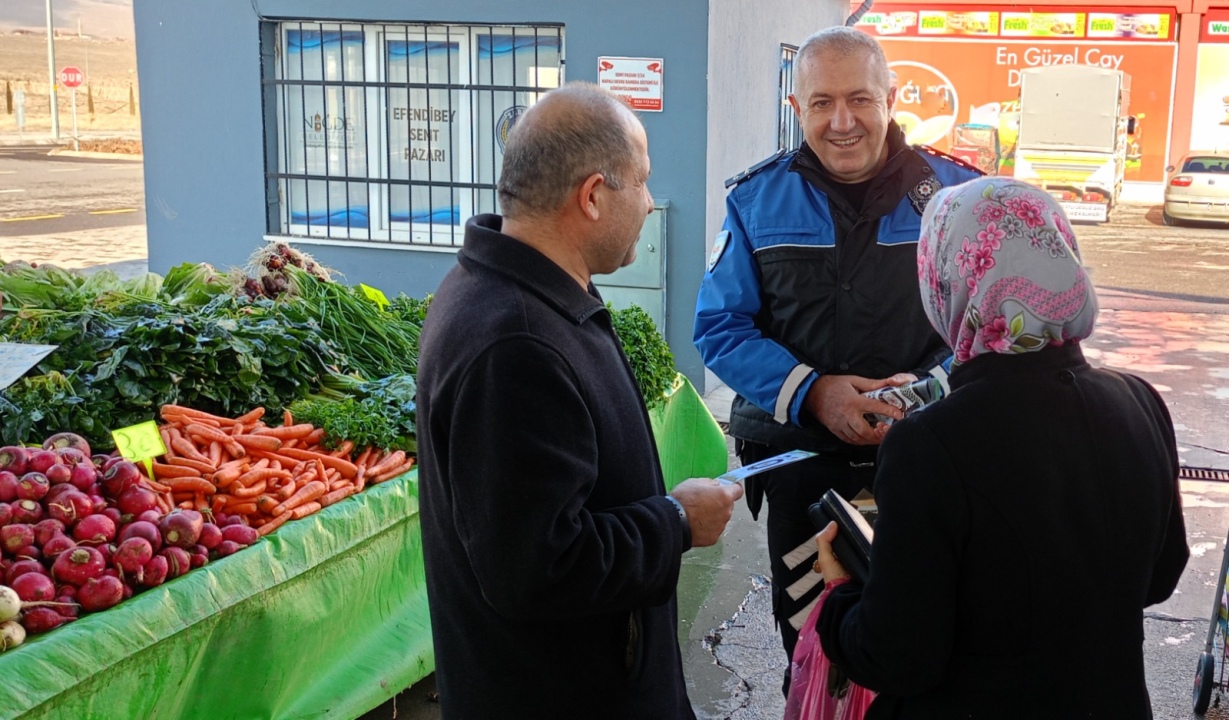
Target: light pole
(51, 75)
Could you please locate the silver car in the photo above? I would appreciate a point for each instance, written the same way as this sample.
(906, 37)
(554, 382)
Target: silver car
(1199, 190)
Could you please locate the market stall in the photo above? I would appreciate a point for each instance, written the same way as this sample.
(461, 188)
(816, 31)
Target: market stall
(328, 615)
(279, 569)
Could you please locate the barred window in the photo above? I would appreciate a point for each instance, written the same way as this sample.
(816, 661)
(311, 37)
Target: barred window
(394, 134)
(789, 133)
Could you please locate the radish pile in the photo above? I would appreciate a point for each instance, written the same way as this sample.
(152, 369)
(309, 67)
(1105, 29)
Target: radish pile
(80, 533)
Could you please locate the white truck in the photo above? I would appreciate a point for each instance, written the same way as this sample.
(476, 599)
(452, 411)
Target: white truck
(1074, 126)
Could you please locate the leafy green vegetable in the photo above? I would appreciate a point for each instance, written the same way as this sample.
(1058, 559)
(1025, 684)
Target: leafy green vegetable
(380, 413)
(117, 365)
(371, 342)
(647, 352)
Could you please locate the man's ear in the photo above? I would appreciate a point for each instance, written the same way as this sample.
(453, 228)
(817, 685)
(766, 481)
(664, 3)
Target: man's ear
(793, 101)
(587, 195)
(891, 98)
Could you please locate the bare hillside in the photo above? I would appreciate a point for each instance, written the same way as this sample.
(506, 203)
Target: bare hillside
(110, 67)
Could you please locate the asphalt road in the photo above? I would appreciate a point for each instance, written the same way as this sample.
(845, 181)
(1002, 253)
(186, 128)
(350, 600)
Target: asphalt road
(43, 194)
(1136, 252)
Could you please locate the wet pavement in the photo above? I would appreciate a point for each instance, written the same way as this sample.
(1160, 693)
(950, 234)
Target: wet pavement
(731, 653)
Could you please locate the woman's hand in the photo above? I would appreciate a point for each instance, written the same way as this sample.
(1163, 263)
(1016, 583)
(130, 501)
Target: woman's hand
(827, 564)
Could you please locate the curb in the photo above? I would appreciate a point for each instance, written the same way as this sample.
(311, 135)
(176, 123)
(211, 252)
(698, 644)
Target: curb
(97, 155)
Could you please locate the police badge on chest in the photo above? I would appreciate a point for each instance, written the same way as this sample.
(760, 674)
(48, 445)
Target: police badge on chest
(921, 194)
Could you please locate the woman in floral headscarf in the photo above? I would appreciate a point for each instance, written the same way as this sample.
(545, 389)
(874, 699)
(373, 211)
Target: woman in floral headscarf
(1026, 520)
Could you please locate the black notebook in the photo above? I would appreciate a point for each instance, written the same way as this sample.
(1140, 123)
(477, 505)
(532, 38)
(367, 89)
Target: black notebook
(854, 535)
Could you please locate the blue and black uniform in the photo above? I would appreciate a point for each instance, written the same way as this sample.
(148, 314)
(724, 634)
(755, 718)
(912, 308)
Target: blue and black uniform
(810, 276)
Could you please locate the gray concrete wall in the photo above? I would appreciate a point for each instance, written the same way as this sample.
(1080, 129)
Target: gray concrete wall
(744, 53)
(200, 69)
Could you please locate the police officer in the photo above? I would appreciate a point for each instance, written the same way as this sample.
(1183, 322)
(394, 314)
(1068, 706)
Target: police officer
(811, 297)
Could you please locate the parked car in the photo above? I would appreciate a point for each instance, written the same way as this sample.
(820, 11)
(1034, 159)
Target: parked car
(1199, 190)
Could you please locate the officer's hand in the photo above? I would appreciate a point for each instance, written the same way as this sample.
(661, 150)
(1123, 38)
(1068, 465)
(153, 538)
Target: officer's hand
(709, 505)
(837, 402)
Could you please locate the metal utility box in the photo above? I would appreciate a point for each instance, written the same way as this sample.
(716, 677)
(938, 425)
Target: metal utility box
(643, 282)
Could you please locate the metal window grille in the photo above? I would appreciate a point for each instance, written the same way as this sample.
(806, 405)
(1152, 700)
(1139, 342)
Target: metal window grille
(394, 134)
(789, 133)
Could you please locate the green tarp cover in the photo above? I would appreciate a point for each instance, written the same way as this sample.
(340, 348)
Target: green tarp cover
(327, 617)
(689, 441)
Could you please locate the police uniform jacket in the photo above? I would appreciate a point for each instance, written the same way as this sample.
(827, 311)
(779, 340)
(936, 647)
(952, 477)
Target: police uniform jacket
(801, 284)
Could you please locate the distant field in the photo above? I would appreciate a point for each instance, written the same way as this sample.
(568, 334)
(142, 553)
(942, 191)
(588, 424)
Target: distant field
(110, 67)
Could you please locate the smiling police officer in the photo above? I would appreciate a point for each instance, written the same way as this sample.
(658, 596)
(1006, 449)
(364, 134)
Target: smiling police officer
(811, 297)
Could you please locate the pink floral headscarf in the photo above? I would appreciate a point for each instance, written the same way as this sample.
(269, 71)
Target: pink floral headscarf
(1000, 270)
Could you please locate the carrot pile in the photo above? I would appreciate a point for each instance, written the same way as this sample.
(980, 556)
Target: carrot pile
(264, 475)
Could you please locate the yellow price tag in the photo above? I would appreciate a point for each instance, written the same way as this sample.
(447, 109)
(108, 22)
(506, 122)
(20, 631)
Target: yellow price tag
(140, 443)
(374, 295)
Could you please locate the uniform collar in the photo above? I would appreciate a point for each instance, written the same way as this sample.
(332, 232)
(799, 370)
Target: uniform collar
(904, 170)
(485, 245)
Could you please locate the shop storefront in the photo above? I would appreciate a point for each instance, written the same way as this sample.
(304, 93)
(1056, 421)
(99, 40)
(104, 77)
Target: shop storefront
(958, 71)
(1210, 110)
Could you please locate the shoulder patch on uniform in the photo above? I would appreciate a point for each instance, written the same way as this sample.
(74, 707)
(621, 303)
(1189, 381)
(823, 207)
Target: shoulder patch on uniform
(921, 193)
(950, 158)
(754, 168)
(719, 243)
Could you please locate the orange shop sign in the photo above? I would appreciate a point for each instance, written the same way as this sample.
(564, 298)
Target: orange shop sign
(958, 81)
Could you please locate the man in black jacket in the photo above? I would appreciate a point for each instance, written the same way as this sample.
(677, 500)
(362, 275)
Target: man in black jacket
(552, 549)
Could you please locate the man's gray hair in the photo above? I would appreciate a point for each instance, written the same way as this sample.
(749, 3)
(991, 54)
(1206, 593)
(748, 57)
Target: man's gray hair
(843, 41)
(571, 133)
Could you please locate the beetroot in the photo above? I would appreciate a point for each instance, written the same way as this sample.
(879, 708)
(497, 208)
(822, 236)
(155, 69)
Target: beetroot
(70, 506)
(73, 457)
(136, 500)
(242, 534)
(78, 565)
(155, 571)
(115, 515)
(16, 536)
(229, 547)
(58, 491)
(29, 552)
(181, 528)
(133, 554)
(59, 474)
(66, 591)
(46, 529)
(119, 477)
(41, 619)
(142, 529)
(211, 536)
(41, 460)
(14, 459)
(57, 544)
(83, 477)
(21, 567)
(33, 486)
(178, 561)
(6, 514)
(8, 486)
(200, 556)
(225, 521)
(67, 440)
(150, 516)
(94, 530)
(68, 608)
(100, 593)
(27, 511)
(33, 587)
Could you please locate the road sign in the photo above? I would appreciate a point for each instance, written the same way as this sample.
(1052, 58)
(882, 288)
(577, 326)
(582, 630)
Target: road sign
(72, 77)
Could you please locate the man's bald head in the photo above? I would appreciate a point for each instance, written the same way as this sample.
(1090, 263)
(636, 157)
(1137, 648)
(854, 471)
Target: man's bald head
(571, 133)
